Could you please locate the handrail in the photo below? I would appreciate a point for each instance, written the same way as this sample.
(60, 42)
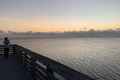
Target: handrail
(44, 68)
(11, 49)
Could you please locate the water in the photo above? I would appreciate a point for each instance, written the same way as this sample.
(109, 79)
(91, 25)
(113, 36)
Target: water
(96, 57)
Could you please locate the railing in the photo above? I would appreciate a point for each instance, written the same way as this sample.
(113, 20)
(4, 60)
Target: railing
(12, 50)
(43, 68)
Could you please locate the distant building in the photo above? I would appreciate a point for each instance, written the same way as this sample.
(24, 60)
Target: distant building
(117, 29)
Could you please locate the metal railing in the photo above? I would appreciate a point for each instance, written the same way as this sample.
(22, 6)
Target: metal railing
(43, 68)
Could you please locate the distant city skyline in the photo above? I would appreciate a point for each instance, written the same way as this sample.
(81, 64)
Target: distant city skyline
(59, 15)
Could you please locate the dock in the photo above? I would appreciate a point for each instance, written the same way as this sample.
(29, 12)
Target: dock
(24, 64)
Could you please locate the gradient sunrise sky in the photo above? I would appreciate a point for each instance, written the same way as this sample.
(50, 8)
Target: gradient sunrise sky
(59, 15)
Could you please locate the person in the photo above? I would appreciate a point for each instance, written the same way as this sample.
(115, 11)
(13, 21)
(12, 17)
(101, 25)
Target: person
(6, 48)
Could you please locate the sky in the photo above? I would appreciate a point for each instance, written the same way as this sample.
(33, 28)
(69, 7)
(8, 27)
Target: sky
(59, 15)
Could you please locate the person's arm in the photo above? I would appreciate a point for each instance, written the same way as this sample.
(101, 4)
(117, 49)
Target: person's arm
(4, 42)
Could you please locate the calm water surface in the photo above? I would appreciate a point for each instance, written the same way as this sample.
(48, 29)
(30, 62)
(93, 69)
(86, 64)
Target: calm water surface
(97, 57)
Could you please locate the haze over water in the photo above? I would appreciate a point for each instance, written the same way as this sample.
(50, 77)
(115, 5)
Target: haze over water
(97, 57)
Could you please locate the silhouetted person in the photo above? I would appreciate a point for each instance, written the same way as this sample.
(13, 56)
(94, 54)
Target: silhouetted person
(6, 48)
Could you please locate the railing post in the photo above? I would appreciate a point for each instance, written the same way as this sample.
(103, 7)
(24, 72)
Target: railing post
(33, 67)
(50, 72)
(14, 50)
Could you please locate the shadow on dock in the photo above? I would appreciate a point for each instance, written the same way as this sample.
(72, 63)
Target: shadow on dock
(10, 69)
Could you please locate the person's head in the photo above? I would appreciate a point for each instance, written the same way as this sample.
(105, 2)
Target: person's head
(6, 38)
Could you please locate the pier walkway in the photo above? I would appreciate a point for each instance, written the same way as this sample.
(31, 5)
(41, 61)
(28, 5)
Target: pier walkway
(24, 64)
